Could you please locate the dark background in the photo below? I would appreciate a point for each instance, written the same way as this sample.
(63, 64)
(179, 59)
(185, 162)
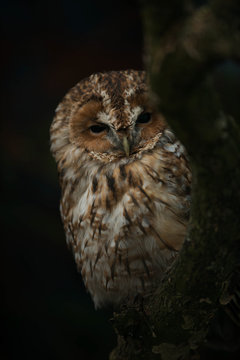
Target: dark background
(47, 47)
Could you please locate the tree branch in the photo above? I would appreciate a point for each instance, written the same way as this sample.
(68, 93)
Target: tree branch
(184, 46)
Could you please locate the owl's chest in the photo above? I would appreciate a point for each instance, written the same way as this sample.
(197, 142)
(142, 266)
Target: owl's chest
(123, 238)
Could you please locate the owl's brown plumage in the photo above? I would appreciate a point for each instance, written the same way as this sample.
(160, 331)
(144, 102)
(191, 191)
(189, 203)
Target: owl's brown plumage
(125, 183)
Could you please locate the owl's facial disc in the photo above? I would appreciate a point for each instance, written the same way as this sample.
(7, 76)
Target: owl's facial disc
(120, 134)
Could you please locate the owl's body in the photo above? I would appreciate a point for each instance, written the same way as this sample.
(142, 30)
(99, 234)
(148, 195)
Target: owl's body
(125, 185)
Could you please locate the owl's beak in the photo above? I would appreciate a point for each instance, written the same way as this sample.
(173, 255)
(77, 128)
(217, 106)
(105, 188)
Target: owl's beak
(126, 145)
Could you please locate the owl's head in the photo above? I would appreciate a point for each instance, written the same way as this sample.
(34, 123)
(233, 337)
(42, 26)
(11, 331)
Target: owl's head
(109, 115)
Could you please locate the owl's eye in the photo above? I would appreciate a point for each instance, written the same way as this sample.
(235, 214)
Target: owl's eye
(144, 118)
(97, 129)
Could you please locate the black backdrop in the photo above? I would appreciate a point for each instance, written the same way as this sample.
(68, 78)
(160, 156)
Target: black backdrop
(48, 46)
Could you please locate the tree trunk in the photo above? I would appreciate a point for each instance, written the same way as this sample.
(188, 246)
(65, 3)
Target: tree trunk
(185, 45)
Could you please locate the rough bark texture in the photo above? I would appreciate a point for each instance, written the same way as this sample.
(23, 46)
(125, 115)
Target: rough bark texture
(184, 47)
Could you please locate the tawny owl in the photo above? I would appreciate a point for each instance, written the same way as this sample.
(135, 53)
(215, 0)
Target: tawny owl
(125, 183)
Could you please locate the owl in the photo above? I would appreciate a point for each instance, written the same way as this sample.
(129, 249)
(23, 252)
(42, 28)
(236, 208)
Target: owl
(125, 182)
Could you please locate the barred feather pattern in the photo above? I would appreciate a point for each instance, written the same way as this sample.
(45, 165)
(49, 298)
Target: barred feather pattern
(124, 215)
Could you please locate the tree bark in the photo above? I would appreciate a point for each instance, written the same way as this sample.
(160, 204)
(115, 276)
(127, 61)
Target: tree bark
(185, 45)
